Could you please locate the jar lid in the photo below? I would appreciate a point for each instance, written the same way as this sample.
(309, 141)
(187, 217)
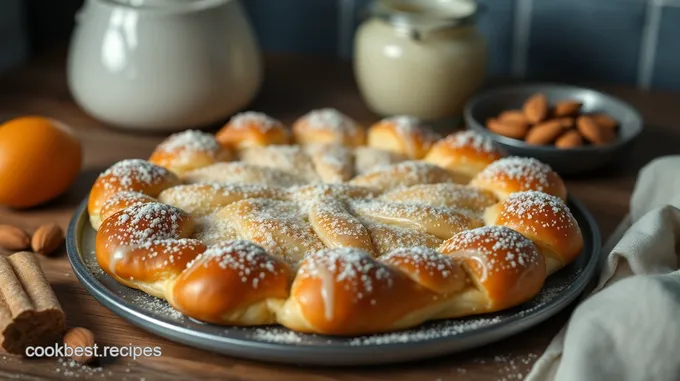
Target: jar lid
(429, 14)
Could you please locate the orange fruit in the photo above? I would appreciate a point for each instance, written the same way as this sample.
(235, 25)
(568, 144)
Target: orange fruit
(39, 159)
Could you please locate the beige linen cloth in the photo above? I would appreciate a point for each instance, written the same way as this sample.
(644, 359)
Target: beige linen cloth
(628, 328)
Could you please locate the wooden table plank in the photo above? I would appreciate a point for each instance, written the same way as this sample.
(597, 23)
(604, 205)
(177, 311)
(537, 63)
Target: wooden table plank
(294, 85)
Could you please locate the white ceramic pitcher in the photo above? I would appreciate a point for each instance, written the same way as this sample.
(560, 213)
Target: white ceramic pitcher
(163, 64)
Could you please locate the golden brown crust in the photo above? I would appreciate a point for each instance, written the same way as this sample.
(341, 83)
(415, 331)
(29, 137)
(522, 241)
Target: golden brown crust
(222, 284)
(189, 150)
(252, 129)
(515, 174)
(502, 263)
(544, 219)
(146, 245)
(464, 153)
(328, 126)
(127, 175)
(402, 135)
(336, 289)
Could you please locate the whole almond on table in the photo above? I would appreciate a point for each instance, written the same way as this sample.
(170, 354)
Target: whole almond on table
(593, 132)
(569, 139)
(515, 116)
(545, 133)
(536, 108)
(604, 121)
(510, 129)
(80, 338)
(13, 238)
(47, 239)
(566, 108)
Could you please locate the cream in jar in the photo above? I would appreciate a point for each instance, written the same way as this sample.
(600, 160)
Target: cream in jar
(418, 57)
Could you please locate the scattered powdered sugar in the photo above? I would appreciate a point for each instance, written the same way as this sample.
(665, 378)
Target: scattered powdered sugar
(127, 174)
(473, 139)
(423, 259)
(408, 127)
(387, 237)
(531, 173)
(251, 262)
(252, 119)
(273, 335)
(144, 224)
(190, 141)
(241, 173)
(404, 174)
(445, 194)
(156, 306)
(438, 330)
(330, 118)
(495, 248)
(355, 267)
(436, 220)
(537, 209)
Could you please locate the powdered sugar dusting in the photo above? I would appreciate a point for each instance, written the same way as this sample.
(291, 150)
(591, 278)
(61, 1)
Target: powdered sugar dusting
(404, 174)
(354, 267)
(251, 262)
(470, 138)
(495, 248)
(190, 141)
(330, 118)
(131, 173)
(252, 119)
(423, 259)
(538, 209)
(531, 173)
(409, 126)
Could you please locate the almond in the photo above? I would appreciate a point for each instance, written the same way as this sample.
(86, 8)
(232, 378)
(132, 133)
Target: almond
(515, 116)
(536, 108)
(13, 238)
(47, 239)
(569, 139)
(80, 338)
(566, 108)
(604, 121)
(510, 129)
(545, 133)
(566, 122)
(592, 131)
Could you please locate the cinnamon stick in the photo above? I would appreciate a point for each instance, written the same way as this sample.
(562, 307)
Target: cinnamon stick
(30, 313)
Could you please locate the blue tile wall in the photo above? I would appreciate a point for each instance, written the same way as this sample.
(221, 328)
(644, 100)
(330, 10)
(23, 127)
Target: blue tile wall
(496, 23)
(586, 39)
(302, 26)
(666, 74)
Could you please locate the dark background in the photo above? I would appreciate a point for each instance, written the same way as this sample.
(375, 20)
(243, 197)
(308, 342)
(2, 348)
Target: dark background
(633, 42)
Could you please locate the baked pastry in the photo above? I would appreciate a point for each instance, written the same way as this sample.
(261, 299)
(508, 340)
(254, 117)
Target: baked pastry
(184, 151)
(328, 125)
(252, 129)
(298, 235)
(403, 135)
(464, 154)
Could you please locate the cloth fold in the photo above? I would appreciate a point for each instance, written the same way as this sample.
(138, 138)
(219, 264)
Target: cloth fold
(627, 327)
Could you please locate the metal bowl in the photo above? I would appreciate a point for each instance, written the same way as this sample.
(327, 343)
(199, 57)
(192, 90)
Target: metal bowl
(565, 161)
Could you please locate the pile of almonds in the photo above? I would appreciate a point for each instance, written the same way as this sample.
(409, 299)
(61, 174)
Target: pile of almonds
(563, 124)
(46, 239)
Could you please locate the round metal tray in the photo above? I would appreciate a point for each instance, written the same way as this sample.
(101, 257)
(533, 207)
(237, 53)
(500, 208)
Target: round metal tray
(278, 344)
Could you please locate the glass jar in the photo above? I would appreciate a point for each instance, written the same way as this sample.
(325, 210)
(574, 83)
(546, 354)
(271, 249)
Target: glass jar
(419, 57)
(163, 64)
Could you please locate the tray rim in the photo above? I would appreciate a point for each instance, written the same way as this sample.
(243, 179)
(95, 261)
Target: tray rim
(328, 355)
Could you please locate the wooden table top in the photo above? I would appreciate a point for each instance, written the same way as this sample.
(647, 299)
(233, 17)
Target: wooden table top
(293, 86)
